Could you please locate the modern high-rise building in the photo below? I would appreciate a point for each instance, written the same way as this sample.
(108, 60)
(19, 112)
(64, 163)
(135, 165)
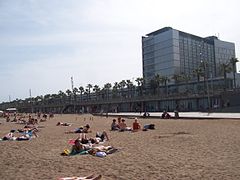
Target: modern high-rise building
(168, 51)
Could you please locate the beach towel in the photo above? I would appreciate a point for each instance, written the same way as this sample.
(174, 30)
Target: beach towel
(67, 152)
(71, 141)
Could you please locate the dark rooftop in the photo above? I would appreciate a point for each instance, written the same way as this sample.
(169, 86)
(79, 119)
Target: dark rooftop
(159, 31)
(207, 39)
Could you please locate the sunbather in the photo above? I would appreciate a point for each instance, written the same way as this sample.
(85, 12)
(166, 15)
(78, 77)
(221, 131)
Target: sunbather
(148, 126)
(9, 136)
(63, 124)
(31, 130)
(84, 129)
(91, 177)
(114, 125)
(78, 147)
(100, 137)
(103, 136)
(123, 126)
(136, 125)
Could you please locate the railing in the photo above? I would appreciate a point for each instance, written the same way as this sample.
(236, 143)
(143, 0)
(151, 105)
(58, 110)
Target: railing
(62, 102)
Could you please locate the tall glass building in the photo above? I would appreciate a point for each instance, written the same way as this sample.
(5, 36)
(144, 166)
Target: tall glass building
(168, 51)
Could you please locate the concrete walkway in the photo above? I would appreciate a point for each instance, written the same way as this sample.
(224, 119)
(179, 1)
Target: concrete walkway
(187, 115)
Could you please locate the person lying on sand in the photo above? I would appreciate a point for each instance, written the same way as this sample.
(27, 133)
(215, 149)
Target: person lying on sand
(63, 124)
(102, 151)
(148, 126)
(31, 130)
(11, 136)
(91, 177)
(100, 137)
(85, 129)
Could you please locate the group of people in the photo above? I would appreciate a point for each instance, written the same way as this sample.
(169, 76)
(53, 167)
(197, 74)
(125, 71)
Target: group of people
(122, 126)
(23, 134)
(28, 131)
(82, 143)
(166, 115)
(28, 118)
(89, 145)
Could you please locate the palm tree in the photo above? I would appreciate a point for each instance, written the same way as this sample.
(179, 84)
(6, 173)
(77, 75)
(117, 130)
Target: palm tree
(153, 86)
(81, 90)
(140, 82)
(157, 80)
(107, 87)
(89, 86)
(177, 78)
(224, 69)
(122, 85)
(69, 93)
(164, 81)
(115, 89)
(186, 78)
(61, 95)
(233, 62)
(129, 87)
(198, 72)
(96, 89)
(75, 91)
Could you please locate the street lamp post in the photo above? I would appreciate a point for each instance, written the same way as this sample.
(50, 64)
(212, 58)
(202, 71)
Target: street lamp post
(205, 75)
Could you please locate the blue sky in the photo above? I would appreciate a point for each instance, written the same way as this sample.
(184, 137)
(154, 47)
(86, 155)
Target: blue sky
(43, 43)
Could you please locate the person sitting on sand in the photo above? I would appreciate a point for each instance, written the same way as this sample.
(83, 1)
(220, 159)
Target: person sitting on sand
(123, 126)
(114, 125)
(136, 125)
(165, 115)
(7, 118)
(78, 147)
(119, 120)
(103, 136)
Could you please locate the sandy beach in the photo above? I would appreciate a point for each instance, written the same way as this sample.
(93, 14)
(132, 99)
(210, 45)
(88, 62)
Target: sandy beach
(176, 149)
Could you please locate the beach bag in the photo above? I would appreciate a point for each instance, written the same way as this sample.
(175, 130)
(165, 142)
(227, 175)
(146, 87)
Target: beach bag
(151, 126)
(101, 154)
(66, 152)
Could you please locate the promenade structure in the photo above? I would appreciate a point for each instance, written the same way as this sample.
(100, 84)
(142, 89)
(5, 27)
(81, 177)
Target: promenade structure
(168, 52)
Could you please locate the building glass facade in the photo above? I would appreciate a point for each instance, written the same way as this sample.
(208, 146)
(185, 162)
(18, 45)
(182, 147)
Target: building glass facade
(168, 52)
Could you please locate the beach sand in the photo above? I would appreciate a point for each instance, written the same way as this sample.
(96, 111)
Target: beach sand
(176, 149)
